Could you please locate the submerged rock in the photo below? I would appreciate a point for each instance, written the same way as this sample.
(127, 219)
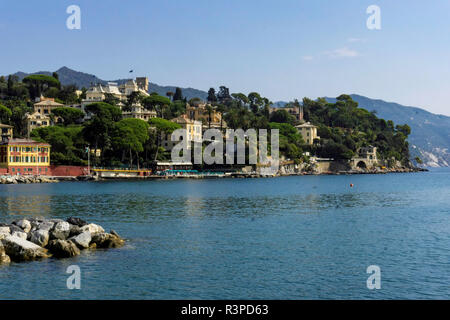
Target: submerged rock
(107, 240)
(19, 249)
(63, 248)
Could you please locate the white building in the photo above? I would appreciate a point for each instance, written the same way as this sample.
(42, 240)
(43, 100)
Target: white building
(139, 112)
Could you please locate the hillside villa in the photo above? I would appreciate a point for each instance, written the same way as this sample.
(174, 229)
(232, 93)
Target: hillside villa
(296, 112)
(41, 113)
(200, 112)
(308, 132)
(6, 132)
(193, 132)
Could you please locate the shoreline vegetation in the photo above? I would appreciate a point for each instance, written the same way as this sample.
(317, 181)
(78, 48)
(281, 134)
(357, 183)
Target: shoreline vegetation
(104, 128)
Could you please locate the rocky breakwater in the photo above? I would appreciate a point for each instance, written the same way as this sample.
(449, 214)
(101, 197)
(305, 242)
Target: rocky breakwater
(40, 238)
(26, 179)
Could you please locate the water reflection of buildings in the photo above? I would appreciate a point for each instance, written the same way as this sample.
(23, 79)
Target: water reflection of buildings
(38, 205)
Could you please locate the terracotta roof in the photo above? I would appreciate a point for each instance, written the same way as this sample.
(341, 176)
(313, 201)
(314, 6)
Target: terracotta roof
(25, 142)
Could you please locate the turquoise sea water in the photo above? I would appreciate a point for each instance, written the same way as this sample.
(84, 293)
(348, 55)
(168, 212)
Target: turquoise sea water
(302, 237)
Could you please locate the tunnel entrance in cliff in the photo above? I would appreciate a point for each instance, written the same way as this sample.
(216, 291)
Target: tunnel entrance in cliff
(362, 165)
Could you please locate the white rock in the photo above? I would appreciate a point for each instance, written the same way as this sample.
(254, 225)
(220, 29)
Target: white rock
(19, 234)
(82, 240)
(24, 224)
(42, 225)
(19, 249)
(61, 230)
(4, 231)
(92, 228)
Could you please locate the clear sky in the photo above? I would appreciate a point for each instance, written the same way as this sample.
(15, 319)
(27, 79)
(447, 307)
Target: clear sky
(284, 49)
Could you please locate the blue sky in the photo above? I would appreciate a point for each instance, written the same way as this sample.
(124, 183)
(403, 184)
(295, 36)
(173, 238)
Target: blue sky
(282, 49)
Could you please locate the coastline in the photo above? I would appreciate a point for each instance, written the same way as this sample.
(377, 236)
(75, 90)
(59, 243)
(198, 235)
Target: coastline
(238, 175)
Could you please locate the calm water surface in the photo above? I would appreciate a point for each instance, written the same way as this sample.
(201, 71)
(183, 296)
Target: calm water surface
(283, 238)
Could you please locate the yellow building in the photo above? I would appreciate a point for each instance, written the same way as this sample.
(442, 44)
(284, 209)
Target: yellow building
(200, 112)
(46, 105)
(41, 114)
(37, 120)
(308, 132)
(6, 132)
(25, 157)
(193, 132)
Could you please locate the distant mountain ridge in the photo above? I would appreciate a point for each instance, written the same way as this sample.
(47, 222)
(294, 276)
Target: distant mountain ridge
(68, 76)
(429, 139)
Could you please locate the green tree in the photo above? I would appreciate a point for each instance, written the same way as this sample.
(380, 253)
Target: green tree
(178, 94)
(212, 95)
(255, 101)
(69, 115)
(223, 96)
(282, 116)
(5, 114)
(130, 134)
(162, 127)
(241, 98)
(38, 83)
(97, 131)
(134, 98)
(157, 103)
(67, 143)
